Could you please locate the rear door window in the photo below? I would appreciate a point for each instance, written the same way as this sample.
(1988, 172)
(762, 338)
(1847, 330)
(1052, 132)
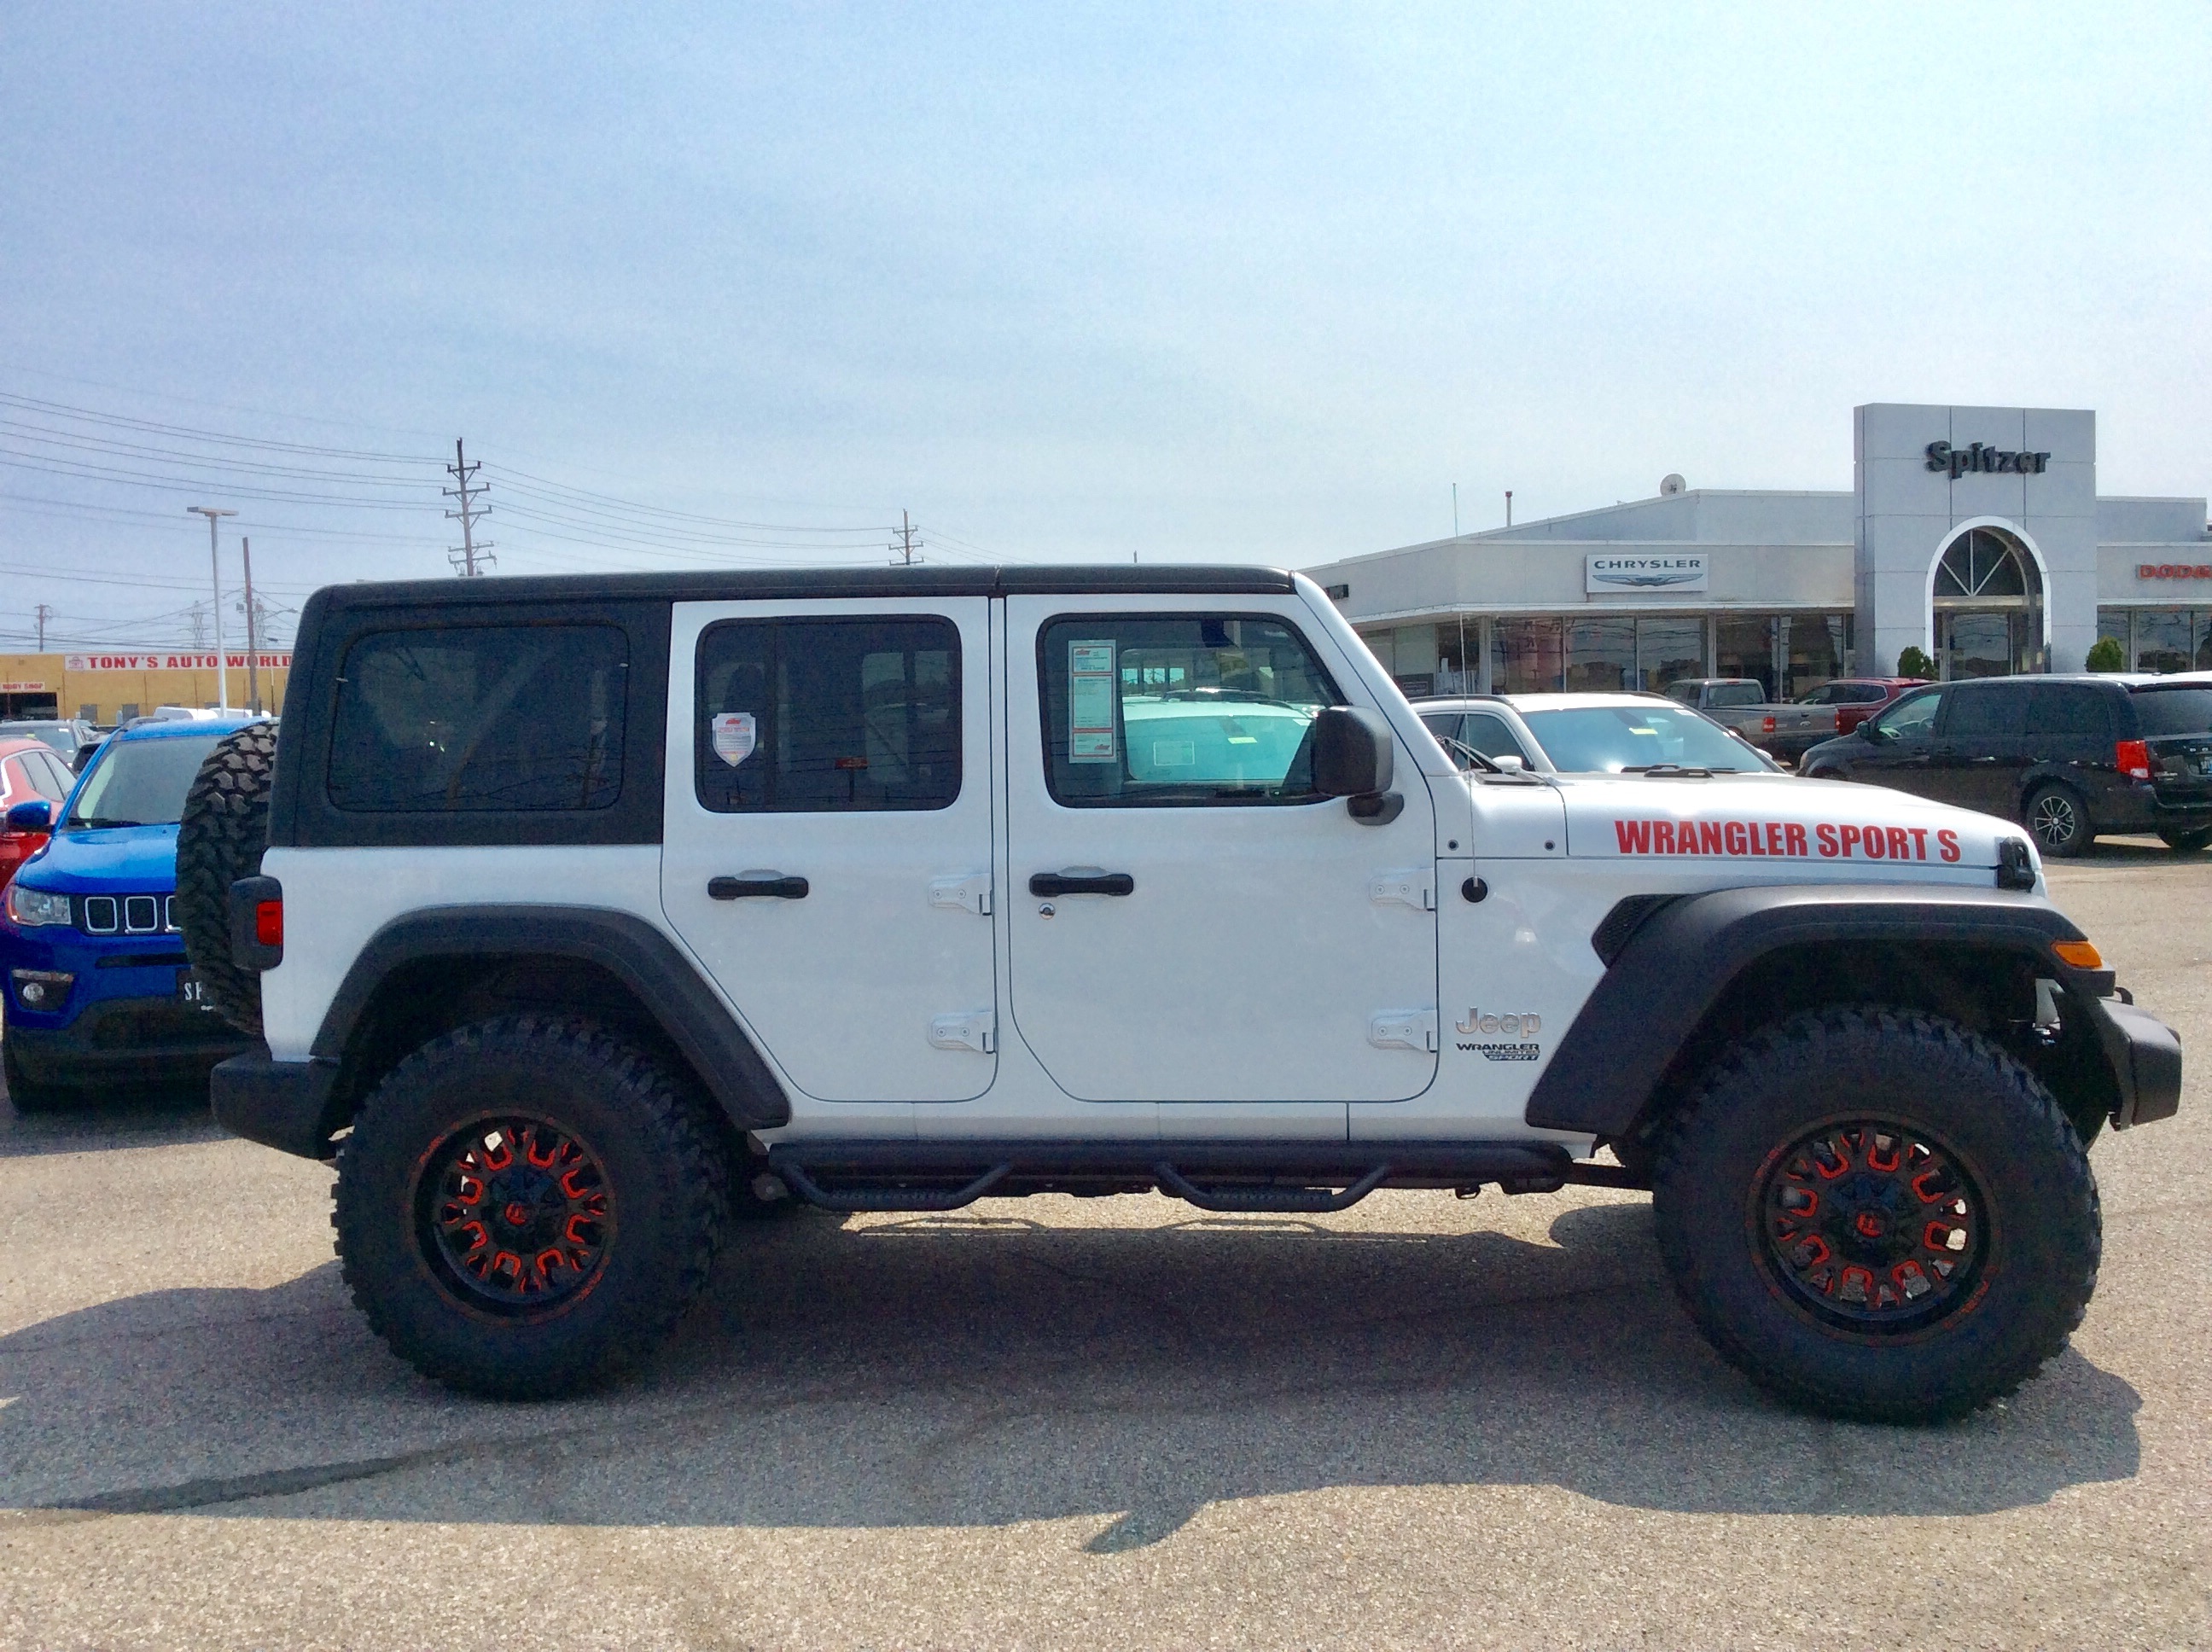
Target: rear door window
(2069, 709)
(1986, 714)
(829, 715)
(507, 717)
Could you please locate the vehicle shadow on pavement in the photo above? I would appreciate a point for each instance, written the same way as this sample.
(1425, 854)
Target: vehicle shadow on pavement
(120, 1116)
(985, 1370)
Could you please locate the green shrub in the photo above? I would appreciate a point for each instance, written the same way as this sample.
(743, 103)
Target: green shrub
(1914, 662)
(2105, 654)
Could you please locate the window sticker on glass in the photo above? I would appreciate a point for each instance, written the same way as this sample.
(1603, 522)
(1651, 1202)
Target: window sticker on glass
(735, 735)
(1091, 694)
(1174, 754)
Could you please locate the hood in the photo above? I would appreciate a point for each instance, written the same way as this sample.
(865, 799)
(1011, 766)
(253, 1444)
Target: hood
(136, 859)
(1776, 819)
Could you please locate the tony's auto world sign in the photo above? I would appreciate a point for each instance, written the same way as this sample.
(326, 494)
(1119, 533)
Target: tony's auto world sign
(153, 661)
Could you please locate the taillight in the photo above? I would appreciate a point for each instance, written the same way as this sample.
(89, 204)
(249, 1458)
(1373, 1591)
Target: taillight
(2132, 758)
(1766, 726)
(269, 923)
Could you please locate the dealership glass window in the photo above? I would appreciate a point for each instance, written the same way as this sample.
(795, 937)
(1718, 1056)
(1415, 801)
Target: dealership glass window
(1528, 656)
(1744, 645)
(2169, 639)
(1819, 646)
(1670, 648)
(1601, 655)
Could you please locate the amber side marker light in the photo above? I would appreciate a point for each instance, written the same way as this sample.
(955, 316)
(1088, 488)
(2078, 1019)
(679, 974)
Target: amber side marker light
(2080, 954)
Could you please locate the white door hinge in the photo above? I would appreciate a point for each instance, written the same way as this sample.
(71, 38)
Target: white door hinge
(971, 893)
(1403, 1030)
(1417, 889)
(977, 1030)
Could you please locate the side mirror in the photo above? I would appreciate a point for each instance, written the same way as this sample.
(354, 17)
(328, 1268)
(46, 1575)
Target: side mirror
(1511, 763)
(36, 815)
(1354, 757)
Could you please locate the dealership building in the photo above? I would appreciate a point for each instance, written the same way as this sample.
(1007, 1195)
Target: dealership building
(1975, 534)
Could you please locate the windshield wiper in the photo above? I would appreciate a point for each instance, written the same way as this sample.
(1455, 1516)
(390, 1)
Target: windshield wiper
(1672, 771)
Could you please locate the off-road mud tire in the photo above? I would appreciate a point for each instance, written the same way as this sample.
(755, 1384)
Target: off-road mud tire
(2038, 1266)
(663, 1165)
(220, 840)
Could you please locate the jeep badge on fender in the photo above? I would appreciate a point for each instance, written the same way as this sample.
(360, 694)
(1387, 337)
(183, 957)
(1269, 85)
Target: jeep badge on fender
(591, 915)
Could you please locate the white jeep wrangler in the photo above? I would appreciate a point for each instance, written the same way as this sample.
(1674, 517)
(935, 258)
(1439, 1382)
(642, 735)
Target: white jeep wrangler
(581, 915)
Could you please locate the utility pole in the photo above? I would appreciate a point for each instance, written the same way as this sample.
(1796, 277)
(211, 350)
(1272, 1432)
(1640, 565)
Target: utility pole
(1508, 507)
(199, 617)
(45, 613)
(469, 553)
(215, 564)
(1455, 510)
(252, 639)
(905, 546)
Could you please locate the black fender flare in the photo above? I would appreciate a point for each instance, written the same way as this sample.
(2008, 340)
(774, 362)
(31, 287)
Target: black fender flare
(643, 959)
(1671, 958)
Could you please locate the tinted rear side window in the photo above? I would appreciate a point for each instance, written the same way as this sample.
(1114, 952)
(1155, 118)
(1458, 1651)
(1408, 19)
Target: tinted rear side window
(2173, 711)
(1986, 714)
(2069, 708)
(509, 717)
(829, 715)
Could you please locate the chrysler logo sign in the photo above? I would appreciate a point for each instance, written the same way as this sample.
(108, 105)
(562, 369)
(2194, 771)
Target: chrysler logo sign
(1942, 456)
(1679, 573)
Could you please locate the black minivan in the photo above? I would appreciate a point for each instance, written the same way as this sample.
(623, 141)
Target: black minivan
(2069, 757)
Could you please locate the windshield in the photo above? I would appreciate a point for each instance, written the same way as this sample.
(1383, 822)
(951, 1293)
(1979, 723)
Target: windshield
(1630, 739)
(140, 783)
(2174, 710)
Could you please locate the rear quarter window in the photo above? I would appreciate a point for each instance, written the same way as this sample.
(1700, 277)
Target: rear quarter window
(507, 718)
(2173, 711)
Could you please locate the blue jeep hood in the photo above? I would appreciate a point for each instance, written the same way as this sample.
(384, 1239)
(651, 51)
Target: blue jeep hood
(136, 859)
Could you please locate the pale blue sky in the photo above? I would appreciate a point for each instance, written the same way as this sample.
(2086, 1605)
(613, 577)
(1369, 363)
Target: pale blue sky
(1257, 284)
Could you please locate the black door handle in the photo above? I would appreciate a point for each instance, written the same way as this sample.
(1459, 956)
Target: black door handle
(1064, 882)
(775, 886)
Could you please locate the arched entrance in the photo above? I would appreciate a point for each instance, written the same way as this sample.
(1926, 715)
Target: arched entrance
(1987, 599)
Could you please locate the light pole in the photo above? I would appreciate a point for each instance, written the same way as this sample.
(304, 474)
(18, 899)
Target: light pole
(215, 567)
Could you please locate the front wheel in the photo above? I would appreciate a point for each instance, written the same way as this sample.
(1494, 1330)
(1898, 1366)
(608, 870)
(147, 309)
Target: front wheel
(1878, 1215)
(2061, 824)
(527, 1203)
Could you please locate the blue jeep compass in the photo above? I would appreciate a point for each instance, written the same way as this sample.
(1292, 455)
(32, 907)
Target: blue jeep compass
(97, 991)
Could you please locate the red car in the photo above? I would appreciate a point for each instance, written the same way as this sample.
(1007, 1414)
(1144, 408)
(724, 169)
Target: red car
(29, 773)
(1857, 698)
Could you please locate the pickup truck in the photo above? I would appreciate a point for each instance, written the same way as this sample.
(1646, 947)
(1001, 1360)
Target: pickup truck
(1785, 730)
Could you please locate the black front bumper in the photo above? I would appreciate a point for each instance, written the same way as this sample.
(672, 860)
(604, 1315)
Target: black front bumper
(125, 1040)
(2144, 1054)
(287, 1105)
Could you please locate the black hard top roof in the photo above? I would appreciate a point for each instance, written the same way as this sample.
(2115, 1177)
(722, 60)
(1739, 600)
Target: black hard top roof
(1196, 578)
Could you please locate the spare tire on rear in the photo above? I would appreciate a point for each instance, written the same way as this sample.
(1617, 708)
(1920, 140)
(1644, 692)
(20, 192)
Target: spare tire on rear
(220, 839)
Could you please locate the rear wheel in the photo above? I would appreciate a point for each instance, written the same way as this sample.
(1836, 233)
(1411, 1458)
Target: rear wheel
(1877, 1214)
(2186, 842)
(2059, 820)
(527, 1204)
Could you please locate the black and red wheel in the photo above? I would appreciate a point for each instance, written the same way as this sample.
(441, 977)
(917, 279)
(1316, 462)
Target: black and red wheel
(1878, 1214)
(527, 1204)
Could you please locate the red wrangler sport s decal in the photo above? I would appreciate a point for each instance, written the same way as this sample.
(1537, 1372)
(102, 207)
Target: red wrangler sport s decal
(1785, 840)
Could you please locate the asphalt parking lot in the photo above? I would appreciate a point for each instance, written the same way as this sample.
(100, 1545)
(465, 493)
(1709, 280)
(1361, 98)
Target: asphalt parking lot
(1112, 1423)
